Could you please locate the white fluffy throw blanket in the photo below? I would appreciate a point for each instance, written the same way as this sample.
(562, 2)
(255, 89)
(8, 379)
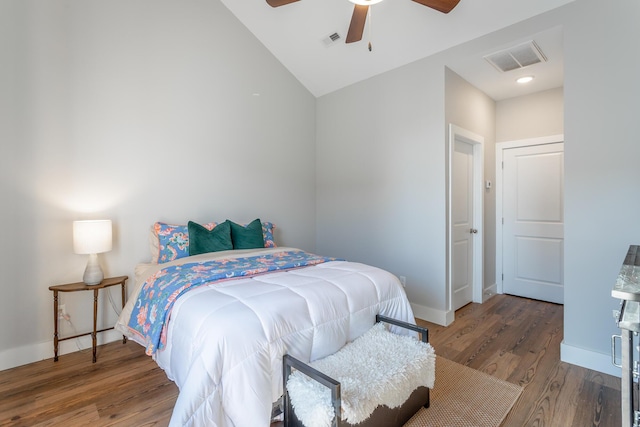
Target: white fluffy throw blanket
(378, 368)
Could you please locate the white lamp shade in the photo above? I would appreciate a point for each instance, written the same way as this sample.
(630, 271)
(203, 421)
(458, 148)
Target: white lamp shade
(92, 237)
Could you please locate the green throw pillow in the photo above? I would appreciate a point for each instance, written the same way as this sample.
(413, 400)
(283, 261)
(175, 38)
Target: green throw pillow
(202, 241)
(247, 237)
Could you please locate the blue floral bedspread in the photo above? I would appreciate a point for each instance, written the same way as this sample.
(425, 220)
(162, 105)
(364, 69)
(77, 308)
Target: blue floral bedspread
(161, 290)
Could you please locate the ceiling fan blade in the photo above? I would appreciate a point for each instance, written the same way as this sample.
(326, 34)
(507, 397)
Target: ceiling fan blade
(276, 3)
(356, 28)
(358, 19)
(444, 6)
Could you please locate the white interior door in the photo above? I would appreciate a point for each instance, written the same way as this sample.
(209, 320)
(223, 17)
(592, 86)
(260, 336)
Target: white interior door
(464, 219)
(462, 224)
(533, 222)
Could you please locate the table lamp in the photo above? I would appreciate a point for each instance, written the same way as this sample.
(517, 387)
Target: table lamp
(92, 238)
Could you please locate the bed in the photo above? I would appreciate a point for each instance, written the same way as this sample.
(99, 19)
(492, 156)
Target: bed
(219, 323)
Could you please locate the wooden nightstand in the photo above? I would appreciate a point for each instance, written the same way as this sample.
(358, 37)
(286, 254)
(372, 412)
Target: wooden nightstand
(80, 286)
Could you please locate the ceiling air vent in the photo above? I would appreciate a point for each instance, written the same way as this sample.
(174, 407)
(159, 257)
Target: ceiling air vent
(516, 57)
(331, 39)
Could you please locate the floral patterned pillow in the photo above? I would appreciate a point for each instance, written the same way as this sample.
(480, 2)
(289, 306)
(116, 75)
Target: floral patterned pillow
(173, 240)
(170, 242)
(267, 233)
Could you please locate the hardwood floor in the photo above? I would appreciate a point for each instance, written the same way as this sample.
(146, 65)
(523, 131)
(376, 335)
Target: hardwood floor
(514, 339)
(518, 340)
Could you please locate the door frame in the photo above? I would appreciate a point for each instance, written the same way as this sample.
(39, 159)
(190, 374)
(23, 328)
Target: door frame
(477, 141)
(500, 147)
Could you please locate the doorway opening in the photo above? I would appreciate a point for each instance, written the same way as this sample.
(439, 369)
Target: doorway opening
(464, 219)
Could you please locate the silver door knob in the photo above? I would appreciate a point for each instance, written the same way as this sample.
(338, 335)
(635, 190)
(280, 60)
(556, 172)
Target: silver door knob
(473, 231)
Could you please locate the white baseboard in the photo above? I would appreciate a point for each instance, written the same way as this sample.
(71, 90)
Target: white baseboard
(489, 291)
(588, 359)
(36, 352)
(446, 317)
(439, 317)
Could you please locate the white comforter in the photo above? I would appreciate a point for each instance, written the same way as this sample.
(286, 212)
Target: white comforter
(225, 340)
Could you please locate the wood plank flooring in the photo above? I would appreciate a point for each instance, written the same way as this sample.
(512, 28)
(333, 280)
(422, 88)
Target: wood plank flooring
(518, 340)
(514, 339)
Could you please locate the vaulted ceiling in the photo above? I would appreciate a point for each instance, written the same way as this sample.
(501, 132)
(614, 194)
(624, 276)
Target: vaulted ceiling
(401, 31)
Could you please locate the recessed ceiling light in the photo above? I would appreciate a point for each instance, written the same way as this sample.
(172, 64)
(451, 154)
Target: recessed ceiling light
(525, 79)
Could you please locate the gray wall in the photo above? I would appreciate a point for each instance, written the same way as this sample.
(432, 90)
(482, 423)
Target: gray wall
(380, 177)
(602, 166)
(530, 116)
(136, 112)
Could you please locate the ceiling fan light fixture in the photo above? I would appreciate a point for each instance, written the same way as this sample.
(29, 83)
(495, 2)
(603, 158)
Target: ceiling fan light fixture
(365, 2)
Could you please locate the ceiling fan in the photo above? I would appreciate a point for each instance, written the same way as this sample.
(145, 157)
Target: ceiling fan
(361, 8)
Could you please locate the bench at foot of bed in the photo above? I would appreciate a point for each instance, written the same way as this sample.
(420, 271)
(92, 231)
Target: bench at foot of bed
(380, 379)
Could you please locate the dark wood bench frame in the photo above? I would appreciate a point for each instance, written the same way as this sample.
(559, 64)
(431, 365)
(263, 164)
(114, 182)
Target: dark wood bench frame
(382, 416)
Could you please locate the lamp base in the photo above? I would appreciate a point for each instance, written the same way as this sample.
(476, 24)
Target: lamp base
(93, 274)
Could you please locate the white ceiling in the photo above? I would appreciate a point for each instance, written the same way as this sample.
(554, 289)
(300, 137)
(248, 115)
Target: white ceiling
(402, 31)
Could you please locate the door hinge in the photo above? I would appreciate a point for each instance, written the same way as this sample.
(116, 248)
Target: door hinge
(502, 220)
(503, 277)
